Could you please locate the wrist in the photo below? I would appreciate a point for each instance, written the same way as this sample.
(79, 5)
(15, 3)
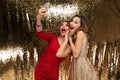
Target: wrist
(38, 28)
(66, 41)
(39, 17)
(38, 25)
(70, 38)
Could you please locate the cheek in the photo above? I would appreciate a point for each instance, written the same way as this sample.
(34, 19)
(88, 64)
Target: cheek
(68, 29)
(77, 26)
(60, 27)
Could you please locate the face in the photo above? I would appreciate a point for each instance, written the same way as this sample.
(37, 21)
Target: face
(75, 25)
(64, 28)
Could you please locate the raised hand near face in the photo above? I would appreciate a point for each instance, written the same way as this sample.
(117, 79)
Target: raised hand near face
(67, 35)
(42, 11)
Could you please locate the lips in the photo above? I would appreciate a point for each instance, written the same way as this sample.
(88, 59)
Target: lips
(63, 30)
(71, 28)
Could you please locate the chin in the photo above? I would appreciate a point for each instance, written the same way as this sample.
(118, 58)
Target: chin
(62, 34)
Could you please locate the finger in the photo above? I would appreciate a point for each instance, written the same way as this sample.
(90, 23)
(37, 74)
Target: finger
(43, 10)
(67, 32)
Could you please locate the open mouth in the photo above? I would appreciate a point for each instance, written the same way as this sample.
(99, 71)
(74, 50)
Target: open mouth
(71, 28)
(63, 30)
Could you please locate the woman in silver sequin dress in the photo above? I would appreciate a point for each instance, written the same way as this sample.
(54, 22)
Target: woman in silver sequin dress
(81, 67)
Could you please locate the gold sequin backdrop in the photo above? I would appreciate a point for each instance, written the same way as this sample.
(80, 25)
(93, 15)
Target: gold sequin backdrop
(20, 49)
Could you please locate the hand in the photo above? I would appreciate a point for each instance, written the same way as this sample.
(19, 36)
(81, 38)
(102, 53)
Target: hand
(70, 37)
(72, 32)
(66, 36)
(42, 11)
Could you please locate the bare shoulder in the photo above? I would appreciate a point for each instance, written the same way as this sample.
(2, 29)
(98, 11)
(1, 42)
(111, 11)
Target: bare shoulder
(81, 33)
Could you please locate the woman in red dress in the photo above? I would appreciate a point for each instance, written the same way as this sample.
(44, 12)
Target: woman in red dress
(47, 67)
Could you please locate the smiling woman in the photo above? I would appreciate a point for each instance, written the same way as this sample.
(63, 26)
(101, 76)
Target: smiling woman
(47, 67)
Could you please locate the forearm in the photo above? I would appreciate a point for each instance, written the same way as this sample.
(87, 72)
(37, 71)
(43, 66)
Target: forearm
(61, 50)
(38, 20)
(38, 23)
(72, 47)
(39, 16)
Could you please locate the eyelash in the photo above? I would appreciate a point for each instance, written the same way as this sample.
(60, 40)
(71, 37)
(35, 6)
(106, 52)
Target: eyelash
(76, 22)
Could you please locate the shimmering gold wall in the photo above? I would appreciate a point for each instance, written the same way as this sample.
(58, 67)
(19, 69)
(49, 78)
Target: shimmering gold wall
(19, 47)
(19, 65)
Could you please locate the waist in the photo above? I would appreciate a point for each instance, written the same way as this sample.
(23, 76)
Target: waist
(49, 62)
(51, 59)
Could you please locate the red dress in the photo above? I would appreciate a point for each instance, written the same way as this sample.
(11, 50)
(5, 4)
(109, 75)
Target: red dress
(48, 65)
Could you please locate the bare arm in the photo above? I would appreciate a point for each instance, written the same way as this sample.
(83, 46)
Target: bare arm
(76, 48)
(40, 33)
(39, 16)
(64, 49)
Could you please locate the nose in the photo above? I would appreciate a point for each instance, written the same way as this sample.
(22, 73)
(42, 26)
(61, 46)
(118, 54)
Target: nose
(62, 26)
(71, 23)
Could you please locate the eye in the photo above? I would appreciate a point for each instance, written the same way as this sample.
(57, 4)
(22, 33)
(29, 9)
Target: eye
(76, 22)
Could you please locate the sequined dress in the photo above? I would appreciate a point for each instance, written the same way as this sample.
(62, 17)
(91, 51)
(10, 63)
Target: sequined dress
(81, 67)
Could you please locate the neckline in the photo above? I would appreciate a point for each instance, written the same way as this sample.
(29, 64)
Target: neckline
(58, 41)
